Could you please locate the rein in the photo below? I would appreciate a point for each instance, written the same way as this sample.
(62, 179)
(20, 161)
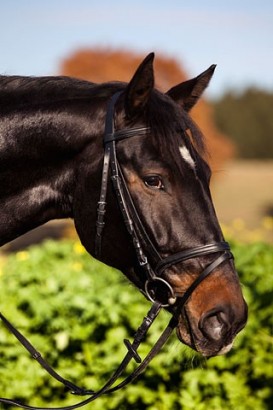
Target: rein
(155, 288)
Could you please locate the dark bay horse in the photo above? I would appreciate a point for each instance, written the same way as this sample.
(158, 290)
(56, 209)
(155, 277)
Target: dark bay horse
(51, 160)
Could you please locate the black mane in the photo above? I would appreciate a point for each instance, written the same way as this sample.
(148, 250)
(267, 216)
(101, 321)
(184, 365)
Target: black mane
(34, 90)
(18, 91)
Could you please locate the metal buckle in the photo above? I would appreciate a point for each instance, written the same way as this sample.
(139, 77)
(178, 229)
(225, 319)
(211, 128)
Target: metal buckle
(148, 290)
(144, 261)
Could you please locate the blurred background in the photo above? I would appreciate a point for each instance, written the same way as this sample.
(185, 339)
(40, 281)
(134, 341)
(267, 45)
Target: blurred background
(106, 40)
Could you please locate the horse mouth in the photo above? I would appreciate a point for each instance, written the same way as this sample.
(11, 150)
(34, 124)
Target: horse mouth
(189, 334)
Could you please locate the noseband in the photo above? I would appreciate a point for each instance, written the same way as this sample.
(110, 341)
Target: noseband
(157, 289)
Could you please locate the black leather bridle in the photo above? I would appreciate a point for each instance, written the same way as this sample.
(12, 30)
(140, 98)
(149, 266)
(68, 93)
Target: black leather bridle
(134, 225)
(155, 288)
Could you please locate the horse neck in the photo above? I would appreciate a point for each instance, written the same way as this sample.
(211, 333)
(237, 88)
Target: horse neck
(41, 153)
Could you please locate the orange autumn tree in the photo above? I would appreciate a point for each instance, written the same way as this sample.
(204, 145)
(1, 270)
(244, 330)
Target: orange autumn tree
(100, 65)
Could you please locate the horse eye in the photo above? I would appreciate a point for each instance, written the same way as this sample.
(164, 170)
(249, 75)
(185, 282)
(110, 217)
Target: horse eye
(154, 182)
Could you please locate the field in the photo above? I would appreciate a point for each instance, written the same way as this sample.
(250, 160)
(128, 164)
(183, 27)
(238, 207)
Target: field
(243, 198)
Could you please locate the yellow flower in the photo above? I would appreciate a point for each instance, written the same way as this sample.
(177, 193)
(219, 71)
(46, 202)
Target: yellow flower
(227, 231)
(267, 223)
(78, 248)
(77, 266)
(22, 255)
(238, 224)
(2, 262)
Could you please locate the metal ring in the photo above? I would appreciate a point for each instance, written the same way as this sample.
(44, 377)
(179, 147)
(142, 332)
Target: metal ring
(171, 298)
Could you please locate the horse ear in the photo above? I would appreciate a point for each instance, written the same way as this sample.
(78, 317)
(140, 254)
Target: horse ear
(188, 92)
(140, 87)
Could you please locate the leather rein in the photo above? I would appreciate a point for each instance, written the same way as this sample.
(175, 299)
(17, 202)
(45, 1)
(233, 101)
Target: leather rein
(156, 289)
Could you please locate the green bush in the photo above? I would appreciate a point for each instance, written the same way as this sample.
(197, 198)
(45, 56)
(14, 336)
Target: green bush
(77, 311)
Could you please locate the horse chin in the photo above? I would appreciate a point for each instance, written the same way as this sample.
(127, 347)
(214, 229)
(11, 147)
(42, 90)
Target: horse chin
(205, 347)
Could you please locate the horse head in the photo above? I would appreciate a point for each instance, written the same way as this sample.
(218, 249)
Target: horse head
(168, 178)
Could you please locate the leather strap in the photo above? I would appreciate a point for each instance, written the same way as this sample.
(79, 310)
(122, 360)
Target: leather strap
(217, 262)
(37, 356)
(132, 353)
(101, 209)
(190, 254)
(125, 133)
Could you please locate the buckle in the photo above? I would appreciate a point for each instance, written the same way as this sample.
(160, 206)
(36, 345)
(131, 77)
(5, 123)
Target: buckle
(154, 293)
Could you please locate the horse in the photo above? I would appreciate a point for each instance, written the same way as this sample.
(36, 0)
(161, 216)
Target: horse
(53, 165)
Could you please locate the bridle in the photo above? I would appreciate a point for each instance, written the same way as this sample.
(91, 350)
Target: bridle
(155, 288)
(134, 224)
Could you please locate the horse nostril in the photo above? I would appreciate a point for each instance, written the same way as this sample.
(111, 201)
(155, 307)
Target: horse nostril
(215, 324)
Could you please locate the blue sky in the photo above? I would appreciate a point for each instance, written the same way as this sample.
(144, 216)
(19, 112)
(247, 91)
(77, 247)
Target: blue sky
(237, 35)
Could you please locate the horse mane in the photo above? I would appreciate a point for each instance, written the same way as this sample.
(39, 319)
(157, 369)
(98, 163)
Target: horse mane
(18, 90)
(22, 90)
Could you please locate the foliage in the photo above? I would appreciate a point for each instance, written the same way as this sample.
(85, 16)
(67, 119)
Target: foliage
(77, 311)
(247, 119)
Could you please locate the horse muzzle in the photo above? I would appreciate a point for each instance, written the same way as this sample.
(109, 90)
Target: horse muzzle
(208, 305)
(211, 326)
